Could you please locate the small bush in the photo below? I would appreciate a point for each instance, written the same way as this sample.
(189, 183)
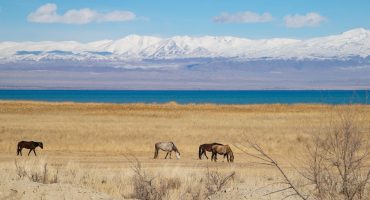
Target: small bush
(148, 187)
(202, 187)
(215, 181)
(35, 170)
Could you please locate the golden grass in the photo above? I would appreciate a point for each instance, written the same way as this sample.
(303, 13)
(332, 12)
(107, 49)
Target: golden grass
(120, 128)
(94, 137)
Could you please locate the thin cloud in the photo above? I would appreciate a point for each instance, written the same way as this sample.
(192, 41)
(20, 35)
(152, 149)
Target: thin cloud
(311, 19)
(243, 17)
(47, 13)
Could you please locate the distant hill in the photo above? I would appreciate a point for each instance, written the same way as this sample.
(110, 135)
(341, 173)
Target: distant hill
(183, 62)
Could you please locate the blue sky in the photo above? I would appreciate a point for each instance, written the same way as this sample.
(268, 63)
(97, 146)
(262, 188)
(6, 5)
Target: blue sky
(113, 19)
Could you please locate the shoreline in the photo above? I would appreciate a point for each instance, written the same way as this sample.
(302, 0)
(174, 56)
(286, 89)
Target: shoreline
(174, 103)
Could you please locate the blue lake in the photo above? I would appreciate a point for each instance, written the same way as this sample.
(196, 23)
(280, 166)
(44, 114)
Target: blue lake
(192, 96)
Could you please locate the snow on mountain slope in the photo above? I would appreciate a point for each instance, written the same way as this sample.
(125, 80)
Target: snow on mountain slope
(355, 42)
(130, 45)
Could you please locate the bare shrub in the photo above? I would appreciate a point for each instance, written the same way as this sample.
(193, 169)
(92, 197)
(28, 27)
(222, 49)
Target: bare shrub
(173, 183)
(206, 185)
(337, 159)
(195, 188)
(335, 166)
(35, 170)
(20, 169)
(264, 159)
(158, 187)
(215, 181)
(52, 178)
(149, 187)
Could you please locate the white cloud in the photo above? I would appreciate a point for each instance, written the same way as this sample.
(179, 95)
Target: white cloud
(48, 14)
(309, 20)
(243, 17)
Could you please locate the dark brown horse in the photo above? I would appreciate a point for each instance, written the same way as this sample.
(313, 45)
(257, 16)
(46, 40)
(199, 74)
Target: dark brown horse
(206, 147)
(222, 150)
(31, 145)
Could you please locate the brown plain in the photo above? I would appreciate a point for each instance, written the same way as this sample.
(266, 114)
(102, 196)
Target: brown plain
(99, 135)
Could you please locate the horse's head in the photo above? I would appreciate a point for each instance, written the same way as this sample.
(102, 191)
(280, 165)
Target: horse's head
(231, 156)
(177, 154)
(41, 145)
(230, 152)
(175, 149)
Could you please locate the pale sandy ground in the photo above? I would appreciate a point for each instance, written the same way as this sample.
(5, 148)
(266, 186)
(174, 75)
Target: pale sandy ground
(30, 190)
(250, 182)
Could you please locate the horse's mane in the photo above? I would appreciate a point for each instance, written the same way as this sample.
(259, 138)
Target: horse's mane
(174, 146)
(229, 149)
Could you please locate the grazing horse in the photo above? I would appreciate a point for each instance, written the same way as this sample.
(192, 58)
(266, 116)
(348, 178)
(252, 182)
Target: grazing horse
(31, 145)
(222, 150)
(168, 147)
(206, 147)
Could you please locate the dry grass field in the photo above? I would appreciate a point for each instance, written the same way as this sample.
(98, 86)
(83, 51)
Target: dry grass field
(89, 146)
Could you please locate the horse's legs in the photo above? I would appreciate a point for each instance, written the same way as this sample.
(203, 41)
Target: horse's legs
(29, 152)
(205, 154)
(155, 153)
(166, 155)
(34, 152)
(170, 154)
(19, 151)
(214, 156)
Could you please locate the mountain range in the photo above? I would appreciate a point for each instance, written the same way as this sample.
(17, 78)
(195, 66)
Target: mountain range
(352, 43)
(184, 62)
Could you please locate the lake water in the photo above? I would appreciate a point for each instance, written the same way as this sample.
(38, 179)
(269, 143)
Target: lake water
(196, 96)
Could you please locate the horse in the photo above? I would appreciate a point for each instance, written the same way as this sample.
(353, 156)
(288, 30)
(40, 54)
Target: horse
(31, 145)
(168, 147)
(222, 150)
(206, 147)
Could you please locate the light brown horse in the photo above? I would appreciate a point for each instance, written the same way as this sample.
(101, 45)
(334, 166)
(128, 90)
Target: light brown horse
(222, 150)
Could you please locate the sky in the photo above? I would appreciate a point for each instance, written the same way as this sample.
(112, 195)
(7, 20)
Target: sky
(91, 20)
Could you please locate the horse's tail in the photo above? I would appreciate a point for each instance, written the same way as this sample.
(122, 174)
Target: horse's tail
(18, 148)
(200, 152)
(155, 151)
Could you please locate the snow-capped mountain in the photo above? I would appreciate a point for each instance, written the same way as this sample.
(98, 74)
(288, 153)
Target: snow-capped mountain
(353, 43)
(182, 62)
